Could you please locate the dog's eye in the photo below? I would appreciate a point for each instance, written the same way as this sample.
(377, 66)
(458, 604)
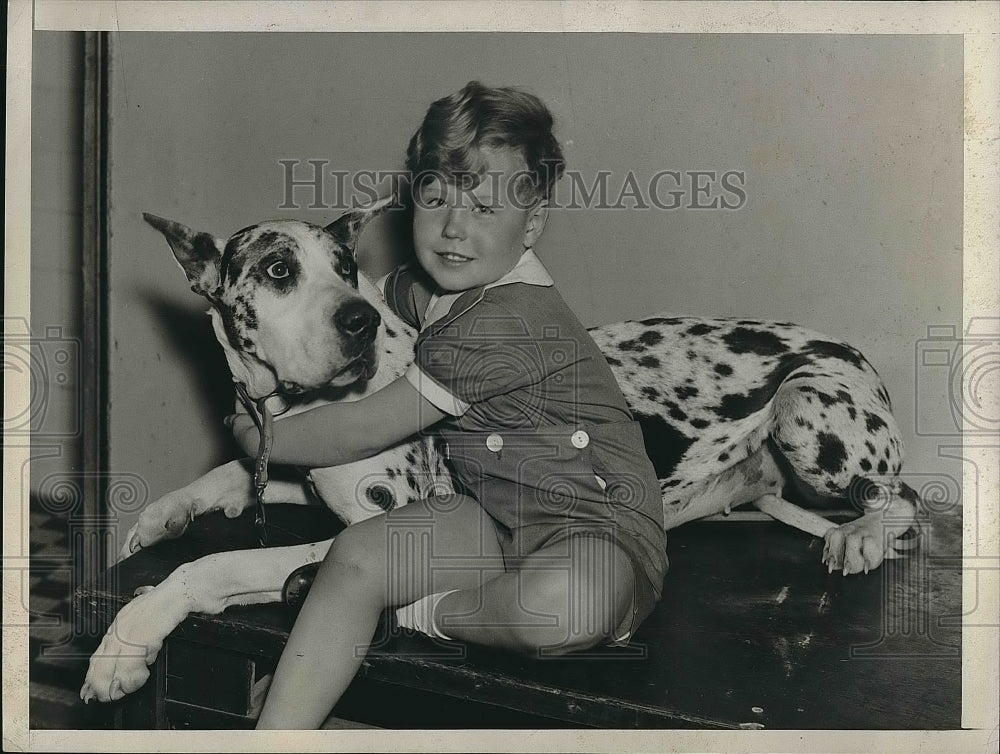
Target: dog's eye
(347, 267)
(278, 270)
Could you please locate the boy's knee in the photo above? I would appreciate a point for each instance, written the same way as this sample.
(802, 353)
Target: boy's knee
(352, 550)
(577, 610)
(560, 636)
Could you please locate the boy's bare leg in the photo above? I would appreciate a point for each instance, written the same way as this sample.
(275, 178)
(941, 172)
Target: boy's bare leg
(431, 546)
(566, 597)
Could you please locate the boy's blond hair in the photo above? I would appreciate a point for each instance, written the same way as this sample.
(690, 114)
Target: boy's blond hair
(458, 126)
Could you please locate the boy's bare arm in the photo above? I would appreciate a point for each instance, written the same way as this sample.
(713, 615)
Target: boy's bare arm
(339, 433)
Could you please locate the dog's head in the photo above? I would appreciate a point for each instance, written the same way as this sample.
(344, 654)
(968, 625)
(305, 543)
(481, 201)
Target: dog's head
(285, 300)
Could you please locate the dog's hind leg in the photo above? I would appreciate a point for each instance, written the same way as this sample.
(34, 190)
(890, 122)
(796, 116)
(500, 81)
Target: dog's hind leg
(758, 479)
(228, 488)
(836, 439)
(207, 585)
(744, 482)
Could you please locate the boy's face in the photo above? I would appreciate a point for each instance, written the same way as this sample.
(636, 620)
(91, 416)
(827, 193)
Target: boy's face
(469, 237)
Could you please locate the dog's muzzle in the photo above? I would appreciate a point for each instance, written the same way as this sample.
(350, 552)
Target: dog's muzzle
(358, 321)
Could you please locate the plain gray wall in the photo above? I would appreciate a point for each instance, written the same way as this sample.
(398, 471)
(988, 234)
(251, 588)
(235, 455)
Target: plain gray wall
(851, 147)
(56, 255)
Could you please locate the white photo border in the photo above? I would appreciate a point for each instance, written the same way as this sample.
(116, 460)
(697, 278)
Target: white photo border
(978, 23)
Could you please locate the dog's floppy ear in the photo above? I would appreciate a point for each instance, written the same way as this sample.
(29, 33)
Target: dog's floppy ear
(348, 226)
(198, 254)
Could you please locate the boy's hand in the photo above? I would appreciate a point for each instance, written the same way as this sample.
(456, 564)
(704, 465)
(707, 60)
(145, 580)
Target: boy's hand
(244, 432)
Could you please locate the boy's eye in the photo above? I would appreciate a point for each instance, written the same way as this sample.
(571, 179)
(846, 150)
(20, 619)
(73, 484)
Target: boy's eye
(278, 270)
(434, 201)
(482, 209)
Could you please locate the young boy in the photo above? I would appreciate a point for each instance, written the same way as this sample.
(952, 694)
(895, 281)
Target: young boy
(554, 541)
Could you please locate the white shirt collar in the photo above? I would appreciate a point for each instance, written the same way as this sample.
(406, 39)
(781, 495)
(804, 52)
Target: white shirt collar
(529, 270)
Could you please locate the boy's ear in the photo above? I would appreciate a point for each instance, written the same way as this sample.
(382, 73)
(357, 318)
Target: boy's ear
(198, 254)
(346, 228)
(536, 224)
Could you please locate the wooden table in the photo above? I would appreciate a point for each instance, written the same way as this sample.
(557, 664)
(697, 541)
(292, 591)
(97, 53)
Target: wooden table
(751, 632)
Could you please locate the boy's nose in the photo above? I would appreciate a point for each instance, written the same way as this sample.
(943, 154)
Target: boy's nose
(454, 226)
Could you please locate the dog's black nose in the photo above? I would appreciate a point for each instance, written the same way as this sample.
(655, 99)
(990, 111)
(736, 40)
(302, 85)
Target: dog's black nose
(357, 319)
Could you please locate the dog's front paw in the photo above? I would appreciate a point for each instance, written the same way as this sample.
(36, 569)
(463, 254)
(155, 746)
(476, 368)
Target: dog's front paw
(861, 545)
(120, 664)
(165, 518)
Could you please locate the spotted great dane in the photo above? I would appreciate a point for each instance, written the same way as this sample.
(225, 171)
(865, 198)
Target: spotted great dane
(732, 411)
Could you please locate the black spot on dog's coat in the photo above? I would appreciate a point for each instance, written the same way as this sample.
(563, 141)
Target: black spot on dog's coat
(865, 464)
(832, 453)
(665, 445)
(882, 467)
(701, 329)
(651, 338)
(874, 423)
(909, 494)
(724, 369)
(683, 392)
(648, 362)
(631, 345)
(740, 405)
(826, 399)
(881, 392)
(700, 423)
(760, 342)
(660, 321)
(845, 397)
(245, 313)
(648, 391)
(612, 361)
(836, 351)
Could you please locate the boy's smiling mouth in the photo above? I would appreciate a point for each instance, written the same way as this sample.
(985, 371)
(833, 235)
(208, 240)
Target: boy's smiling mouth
(452, 258)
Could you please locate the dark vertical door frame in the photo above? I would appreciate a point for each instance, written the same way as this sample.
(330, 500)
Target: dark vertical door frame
(98, 525)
